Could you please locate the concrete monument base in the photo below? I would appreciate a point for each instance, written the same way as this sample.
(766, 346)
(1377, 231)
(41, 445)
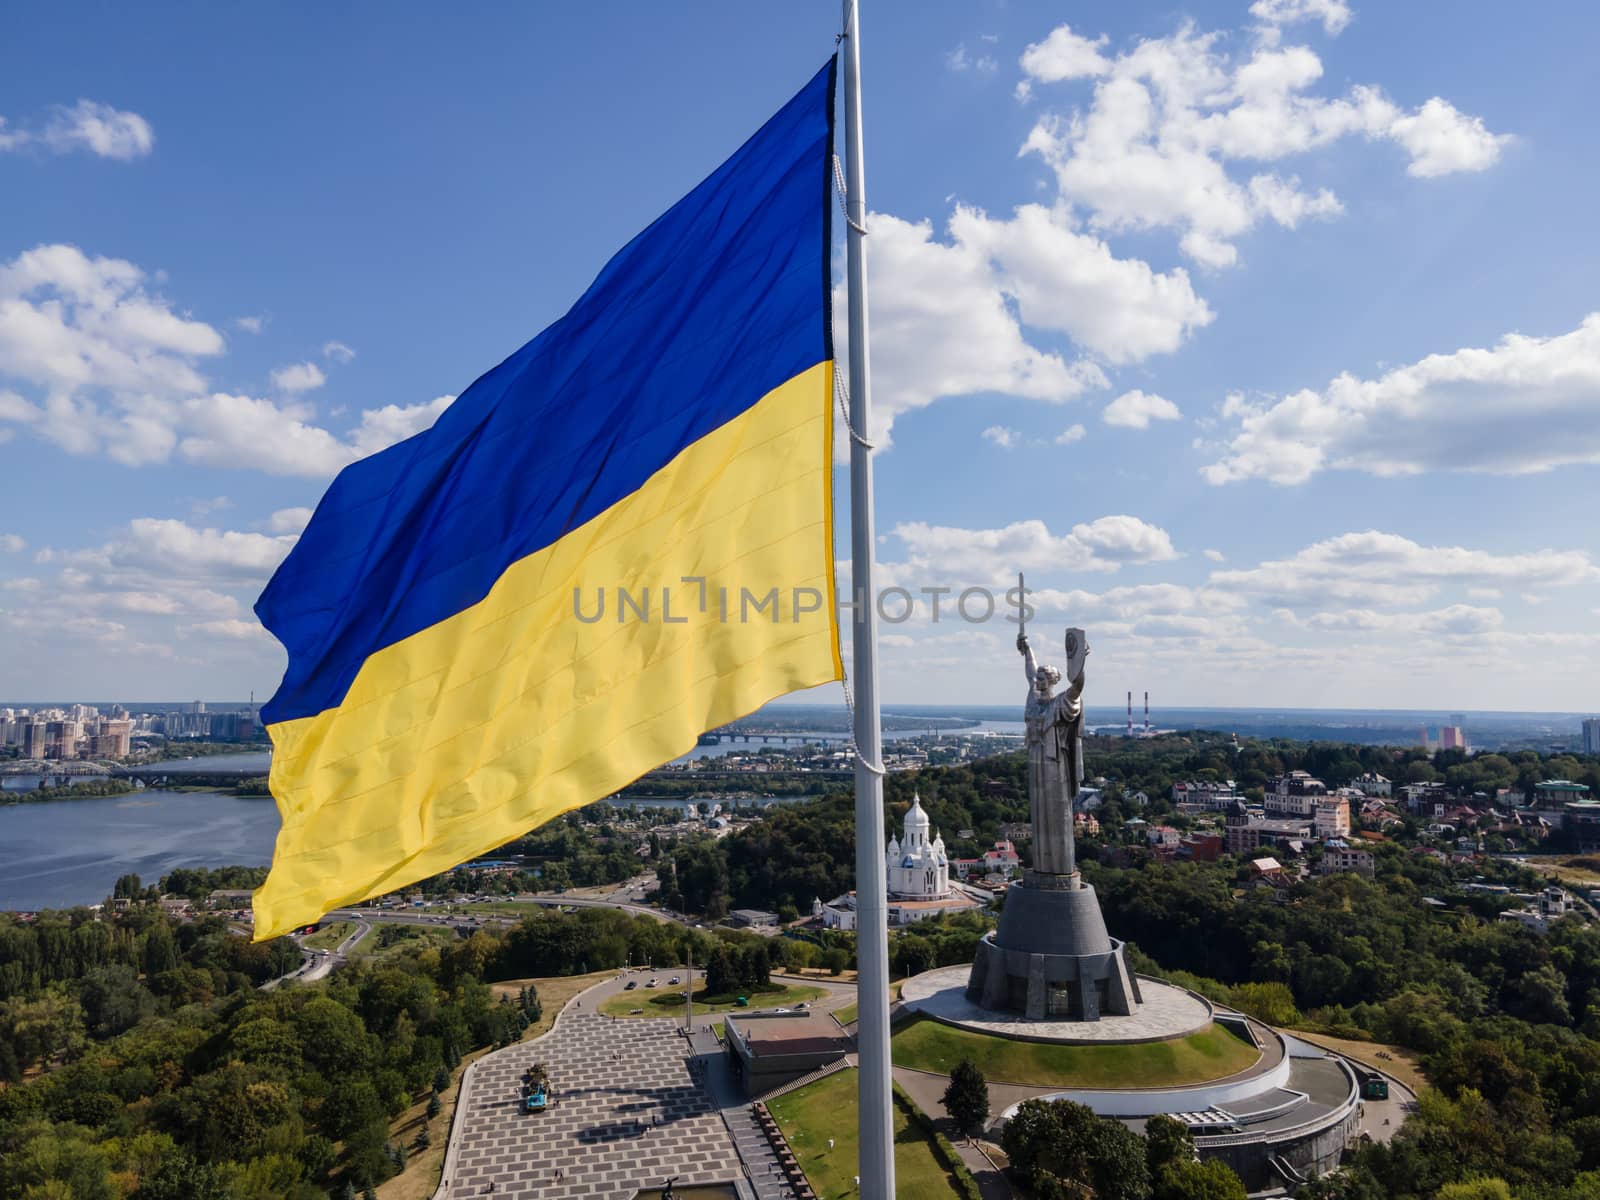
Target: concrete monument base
(1051, 958)
(1165, 1013)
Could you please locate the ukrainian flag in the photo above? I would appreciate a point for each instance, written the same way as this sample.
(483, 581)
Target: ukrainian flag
(449, 686)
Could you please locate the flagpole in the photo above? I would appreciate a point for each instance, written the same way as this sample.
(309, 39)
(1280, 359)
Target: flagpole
(872, 905)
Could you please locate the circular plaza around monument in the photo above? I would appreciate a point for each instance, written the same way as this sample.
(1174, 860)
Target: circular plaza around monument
(1277, 1110)
(1166, 1012)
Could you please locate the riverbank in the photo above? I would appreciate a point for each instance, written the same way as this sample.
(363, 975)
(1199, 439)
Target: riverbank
(92, 789)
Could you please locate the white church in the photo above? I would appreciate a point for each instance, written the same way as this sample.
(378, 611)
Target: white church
(918, 873)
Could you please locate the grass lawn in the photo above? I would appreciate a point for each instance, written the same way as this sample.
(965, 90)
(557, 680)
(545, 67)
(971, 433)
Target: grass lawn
(1568, 869)
(412, 937)
(554, 993)
(850, 1011)
(827, 1109)
(623, 1004)
(1210, 1054)
(420, 1179)
(329, 936)
(1403, 1064)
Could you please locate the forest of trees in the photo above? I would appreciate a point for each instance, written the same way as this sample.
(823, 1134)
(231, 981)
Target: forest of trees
(166, 1074)
(139, 1059)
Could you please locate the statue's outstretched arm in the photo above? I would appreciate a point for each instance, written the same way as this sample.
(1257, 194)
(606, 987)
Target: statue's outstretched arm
(1029, 667)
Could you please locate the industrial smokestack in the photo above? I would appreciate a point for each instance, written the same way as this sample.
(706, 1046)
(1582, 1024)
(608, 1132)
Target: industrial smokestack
(1147, 712)
(1130, 714)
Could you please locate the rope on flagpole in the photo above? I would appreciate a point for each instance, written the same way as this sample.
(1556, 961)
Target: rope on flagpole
(842, 391)
(850, 707)
(844, 198)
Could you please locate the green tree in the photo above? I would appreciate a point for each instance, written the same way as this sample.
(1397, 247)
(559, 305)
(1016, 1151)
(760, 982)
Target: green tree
(1480, 1188)
(1166, 1142)
(1190, 1180)
(967, 1098)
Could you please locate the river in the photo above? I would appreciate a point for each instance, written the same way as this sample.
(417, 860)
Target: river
(67, 852)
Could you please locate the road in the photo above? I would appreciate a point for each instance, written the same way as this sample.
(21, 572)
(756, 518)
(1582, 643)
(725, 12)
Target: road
(318, 964)
(628, 898)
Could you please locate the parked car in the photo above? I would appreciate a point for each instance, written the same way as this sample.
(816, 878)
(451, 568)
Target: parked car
(674, 981)
(632, 983)
(650, 984)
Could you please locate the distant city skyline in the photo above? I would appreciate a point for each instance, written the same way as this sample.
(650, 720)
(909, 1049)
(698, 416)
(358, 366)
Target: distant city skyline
(1262, 336)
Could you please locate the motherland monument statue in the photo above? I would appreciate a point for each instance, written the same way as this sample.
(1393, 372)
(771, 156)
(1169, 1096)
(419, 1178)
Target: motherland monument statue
(1051, 958)
(1055, 753)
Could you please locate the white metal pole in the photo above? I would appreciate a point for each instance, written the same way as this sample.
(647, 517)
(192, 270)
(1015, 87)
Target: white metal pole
(872, 906)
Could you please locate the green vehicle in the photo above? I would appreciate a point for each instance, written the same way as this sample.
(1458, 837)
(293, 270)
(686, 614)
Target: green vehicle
(742, 1002)
(1375, 1088)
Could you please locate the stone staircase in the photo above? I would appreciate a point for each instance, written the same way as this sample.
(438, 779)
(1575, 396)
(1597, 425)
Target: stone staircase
(796, 1178)
(822, 1072)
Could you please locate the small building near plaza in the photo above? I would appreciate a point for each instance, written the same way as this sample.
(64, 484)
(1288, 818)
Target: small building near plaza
(767, 1050)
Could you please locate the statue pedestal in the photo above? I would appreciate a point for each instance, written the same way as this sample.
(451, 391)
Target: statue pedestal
(1051, 958)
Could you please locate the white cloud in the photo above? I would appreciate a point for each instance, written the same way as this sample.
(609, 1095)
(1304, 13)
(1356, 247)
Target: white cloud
(100, 129)
(1215, 555)
(250, 324)
(338, 352)
(1118, 309)
(1136, 409)
(298, 377)
(201, 508)
(12, 543)
(1457, 620)
(116, 370)
(1384, 569)
(1525, 405)
(381, 427)
(1072, 433)
(289, 520)
(1002, 437)
(1442, 140)
(196, 554)
(86, 125)
(1064, 55)
(941, 327)
(1170, 117)
(1334, 14)
(247, 631)
(959, 60)
(223, 430)
(81, 329)
(982, 556)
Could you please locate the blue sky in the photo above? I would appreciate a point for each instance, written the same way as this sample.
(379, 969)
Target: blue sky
(1255, 334)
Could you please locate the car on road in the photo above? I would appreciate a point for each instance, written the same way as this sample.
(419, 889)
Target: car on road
(651, 983)
(674, 981)
(632, 983)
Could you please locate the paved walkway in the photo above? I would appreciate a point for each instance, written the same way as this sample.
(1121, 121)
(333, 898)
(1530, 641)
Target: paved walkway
(755, 1151)
(627, 1115)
